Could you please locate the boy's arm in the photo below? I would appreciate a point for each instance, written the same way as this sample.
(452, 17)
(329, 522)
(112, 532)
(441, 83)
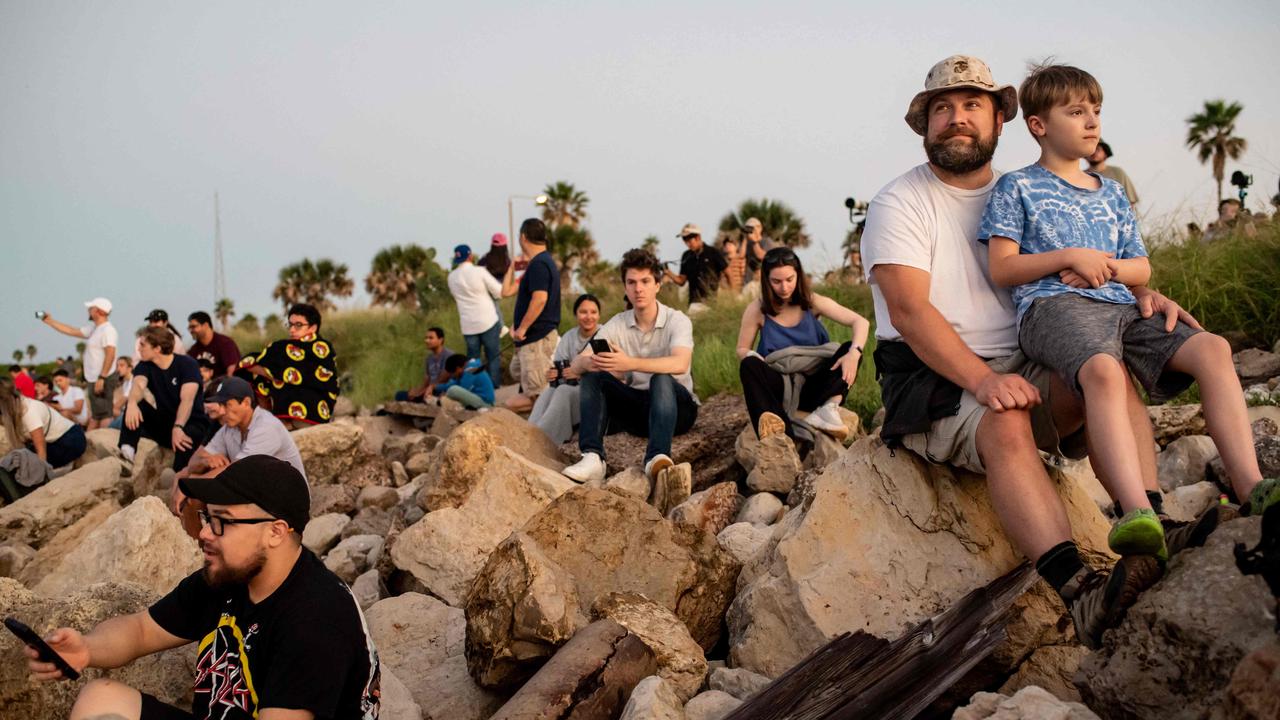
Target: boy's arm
(1130, 271)
(1009, 267)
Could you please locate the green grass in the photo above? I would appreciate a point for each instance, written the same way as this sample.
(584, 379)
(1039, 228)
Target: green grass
(1232, 285)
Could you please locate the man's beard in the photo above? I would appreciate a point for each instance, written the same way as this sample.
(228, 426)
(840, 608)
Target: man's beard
(227, 577)
(959, 158)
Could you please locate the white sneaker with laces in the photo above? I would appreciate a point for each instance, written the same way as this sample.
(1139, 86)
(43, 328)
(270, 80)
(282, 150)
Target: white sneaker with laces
(505, 331)
(590, 467)
(657, 464)
(827, 419)
(128, 452)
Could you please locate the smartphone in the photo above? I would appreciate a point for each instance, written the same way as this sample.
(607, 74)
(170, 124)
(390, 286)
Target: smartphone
(600, 345)
(35, 642)
(40, 314)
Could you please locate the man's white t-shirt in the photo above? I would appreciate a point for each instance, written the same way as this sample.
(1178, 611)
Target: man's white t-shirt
(38, 415)
(67, 400)
(99, 338)
(475, 289)
(921, 222)
(266, 436)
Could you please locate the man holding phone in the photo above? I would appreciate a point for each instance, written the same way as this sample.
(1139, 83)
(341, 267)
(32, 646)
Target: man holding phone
(635, 374)
(99, 359)
(280, 637)
(537, 313)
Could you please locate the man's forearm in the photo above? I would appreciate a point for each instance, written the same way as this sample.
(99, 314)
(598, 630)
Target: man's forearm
(184, 406)
(114, 642)
(63, 328)
(536, 304)
(936, 343)
(666, 365)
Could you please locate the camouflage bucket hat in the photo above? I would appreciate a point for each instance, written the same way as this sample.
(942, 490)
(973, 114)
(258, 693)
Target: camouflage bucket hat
(959, 71)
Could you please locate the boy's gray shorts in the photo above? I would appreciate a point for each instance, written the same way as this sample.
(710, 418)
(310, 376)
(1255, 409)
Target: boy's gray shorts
(1063, 331)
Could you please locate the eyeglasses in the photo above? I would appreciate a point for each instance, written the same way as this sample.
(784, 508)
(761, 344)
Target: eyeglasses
(689, 237)
(219, 524)
(297, 325)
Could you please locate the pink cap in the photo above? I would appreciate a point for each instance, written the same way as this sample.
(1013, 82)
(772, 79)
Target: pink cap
(499, 240)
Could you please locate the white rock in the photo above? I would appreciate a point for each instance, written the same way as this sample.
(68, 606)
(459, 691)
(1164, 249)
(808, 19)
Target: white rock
(368, 589)
(396, 701)
(1029, 703)
(1187, 502)
(631, 482)
(760, 509)
(323, 532)
(738, 682)
(711, 705)
(653, 699)
(744, 540)
(1183, 461)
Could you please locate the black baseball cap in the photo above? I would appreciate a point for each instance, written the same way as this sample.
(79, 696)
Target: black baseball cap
(157, 315)
(272, 484)
(229, 388)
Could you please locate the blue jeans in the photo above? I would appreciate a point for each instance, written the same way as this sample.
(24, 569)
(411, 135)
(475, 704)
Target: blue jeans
(608, 405)
(492, 352)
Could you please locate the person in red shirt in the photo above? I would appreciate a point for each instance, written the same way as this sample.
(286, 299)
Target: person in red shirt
(23, 381)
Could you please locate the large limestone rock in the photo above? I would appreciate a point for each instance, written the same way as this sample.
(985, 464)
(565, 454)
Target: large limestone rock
(885, 541)
(1030, 703)
(744, 540)
(330, 451)
(50, 555)
(710, 510)
(167, 675)
(1178, 645)
(590, 677)
(1256, 366)
(142, 544)
(1053, 668)
(1173, 421)
(711, 705)
(420, 639)
(538, 586)
(1183, 461)
(446, 548)
(323, 532)
(680, 659)
(461, 458)
(653, 699)
(37, 517)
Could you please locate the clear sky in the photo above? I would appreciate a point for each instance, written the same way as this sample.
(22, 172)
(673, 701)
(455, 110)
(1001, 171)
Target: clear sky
(335, 129)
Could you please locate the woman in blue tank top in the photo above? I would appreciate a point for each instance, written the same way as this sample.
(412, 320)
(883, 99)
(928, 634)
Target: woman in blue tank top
(787, 316)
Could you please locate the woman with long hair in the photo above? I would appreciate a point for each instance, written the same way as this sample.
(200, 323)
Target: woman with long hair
(34, 425)
(498, 259)
(556, 410)
(794, 349)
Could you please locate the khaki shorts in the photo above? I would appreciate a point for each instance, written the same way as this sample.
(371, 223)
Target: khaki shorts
(101, 406)
(954, 440)
(531, 363)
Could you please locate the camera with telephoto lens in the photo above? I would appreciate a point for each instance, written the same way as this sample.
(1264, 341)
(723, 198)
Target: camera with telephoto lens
(561, 366)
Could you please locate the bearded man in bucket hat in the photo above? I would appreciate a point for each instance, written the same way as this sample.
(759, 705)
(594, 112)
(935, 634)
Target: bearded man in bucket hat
(956, 388)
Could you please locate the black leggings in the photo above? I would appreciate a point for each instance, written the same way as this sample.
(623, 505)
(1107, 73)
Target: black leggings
(158, 425)
(763, 387)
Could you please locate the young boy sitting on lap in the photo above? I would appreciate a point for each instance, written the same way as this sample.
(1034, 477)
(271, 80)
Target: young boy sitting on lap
(1066, 240)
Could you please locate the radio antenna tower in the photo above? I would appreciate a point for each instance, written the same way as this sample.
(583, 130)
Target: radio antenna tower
(219, 273)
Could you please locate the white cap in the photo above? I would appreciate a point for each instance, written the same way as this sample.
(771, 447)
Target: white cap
(101, 303)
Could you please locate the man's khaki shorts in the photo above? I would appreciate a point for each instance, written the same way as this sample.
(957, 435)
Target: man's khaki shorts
(954, 440)
(534, 359)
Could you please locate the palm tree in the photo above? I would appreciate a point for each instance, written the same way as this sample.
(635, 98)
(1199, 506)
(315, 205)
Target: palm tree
(398, 271)
(313, 283)
(271, 322)
(781, 224)
(249, 323)
(566, 205)
(650, 244)
(223, 310)
(1212, 135)
(31, 352)
(573, 248)
(17, 356)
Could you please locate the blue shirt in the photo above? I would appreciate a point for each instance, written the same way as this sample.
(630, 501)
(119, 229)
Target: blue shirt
(1041, 212)
(542, 274)
(477, 382)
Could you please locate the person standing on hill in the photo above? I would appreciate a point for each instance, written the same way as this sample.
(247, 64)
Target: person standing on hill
(537, 315)
(475, 291)
(701, 267)
(219, 349)
(99, 360)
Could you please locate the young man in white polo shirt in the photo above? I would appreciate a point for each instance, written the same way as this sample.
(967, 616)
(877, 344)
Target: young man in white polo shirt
(643, 385)
(475, 291)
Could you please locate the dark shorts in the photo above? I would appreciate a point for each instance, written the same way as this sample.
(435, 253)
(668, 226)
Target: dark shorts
(153, 709)
(100, 406)
(1064, 331)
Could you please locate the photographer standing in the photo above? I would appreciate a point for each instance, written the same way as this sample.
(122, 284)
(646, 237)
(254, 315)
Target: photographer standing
(99, 359)
(754, 246)
(701, 267)
(556, 410)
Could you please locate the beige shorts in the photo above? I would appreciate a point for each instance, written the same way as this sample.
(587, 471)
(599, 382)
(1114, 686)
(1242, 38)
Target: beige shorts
(531, 363)
(954, 440)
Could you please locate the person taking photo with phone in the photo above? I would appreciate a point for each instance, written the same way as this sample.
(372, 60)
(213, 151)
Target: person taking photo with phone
(99, 359)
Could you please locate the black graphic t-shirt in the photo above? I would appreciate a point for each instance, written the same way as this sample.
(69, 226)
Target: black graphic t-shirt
(305, 647)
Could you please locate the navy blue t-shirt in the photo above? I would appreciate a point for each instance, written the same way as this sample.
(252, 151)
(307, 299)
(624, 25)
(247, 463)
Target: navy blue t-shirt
(166, 385)
(542, 274)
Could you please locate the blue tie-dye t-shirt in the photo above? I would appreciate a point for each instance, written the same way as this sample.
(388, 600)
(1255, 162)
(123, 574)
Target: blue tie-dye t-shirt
(1041, 212)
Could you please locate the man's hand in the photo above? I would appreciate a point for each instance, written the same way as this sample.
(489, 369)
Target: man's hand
(180, 441)
(616, 362)
(1093, 266)
(1002, 392)
(216, 461)
(518, 334)
(98, 385)
(132, 416)
(848, 366)
(66, 642)
(1151, 302)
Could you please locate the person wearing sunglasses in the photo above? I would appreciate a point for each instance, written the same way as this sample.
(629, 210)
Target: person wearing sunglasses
(795, 351)
(278, 634)
(700, 267)
(297, 378)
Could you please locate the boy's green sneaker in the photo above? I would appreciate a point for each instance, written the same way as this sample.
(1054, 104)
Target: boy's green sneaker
(1264, 495)
(1139, 532)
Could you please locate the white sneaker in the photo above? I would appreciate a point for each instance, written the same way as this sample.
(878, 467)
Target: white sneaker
(589, 468)
(827, 419)
(128, 452)
(505, 331)
(657, 464)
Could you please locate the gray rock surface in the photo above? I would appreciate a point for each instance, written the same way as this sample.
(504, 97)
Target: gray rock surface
(354, 555)
(323, 532)
(710, 705)
(1030, 703)
(653, 699)
(1183, 461)
(760, 509)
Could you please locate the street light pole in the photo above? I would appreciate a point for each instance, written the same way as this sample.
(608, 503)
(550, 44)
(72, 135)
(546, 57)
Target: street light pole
(511, 220)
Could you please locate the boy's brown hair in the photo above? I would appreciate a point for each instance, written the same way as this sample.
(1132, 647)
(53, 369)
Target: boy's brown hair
(1050, 84)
